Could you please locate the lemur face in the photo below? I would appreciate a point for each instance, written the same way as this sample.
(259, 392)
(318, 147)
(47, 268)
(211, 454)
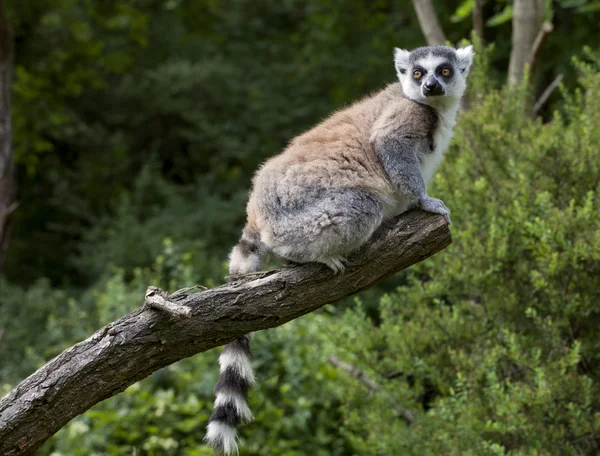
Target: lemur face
(429, 74)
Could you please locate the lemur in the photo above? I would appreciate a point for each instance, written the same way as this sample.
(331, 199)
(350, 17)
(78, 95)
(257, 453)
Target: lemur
(333, 186)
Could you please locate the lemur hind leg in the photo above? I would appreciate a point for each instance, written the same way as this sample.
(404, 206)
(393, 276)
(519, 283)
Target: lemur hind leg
(248, 255)
(325, 227)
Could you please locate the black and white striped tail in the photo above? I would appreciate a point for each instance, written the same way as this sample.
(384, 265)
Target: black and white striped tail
(231, 404)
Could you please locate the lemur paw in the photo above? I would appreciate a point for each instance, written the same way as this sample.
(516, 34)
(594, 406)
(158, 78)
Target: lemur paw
(336, 264)
(436, 206)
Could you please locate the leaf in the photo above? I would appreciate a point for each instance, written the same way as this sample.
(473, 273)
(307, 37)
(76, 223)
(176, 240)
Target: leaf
(572, 3)
(502, 17)
(591, 8)
(463, 11)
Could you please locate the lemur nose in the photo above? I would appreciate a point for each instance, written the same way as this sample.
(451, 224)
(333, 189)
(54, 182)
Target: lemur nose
(432, 87)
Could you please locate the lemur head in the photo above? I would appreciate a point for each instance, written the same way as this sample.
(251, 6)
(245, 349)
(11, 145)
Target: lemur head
(433, 75)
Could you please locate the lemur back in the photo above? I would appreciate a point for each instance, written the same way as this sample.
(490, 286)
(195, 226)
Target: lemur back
(337, 154)
(329, 190)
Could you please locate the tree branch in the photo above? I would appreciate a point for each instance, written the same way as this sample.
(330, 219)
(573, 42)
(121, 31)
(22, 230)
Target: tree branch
(428, 21)
(364, 378)
(158, 299)
(131, 348)
(539, 41)
(546, 94)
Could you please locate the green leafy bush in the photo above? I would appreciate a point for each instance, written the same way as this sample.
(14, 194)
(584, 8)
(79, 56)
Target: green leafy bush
(494, 343)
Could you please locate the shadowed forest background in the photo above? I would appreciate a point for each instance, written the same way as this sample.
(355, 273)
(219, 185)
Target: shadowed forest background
(137, 126)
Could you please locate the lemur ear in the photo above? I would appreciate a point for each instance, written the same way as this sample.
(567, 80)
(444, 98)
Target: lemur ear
(465, 58)
(401, 60)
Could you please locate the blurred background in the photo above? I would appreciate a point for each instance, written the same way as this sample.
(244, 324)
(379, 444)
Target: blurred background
(136, 128)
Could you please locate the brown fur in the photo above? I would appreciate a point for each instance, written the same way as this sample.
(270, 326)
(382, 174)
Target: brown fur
(338, 152)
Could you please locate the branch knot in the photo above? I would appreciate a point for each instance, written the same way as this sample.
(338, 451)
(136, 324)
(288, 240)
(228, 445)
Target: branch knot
(159, 300)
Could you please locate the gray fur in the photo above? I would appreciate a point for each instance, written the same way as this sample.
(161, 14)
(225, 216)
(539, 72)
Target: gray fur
(248, 255)
(445, 52)
(324, 225)
(401, 158)
(434, 205)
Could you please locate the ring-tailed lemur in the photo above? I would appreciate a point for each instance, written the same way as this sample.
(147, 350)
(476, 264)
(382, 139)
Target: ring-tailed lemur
(330, 189)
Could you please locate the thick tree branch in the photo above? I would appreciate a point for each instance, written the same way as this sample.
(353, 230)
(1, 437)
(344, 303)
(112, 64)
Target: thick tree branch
(428, 21)
(147, 339)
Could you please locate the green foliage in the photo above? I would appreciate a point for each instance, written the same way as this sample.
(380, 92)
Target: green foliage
(201, 95)
(502, 17)
(463, 11)
(79, 57)
(154, 210)
(23, 319)
(581, 6)
(200, 92)
(494, 343)
(137, 127)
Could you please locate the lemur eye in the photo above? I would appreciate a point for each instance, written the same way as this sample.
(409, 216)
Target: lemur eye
(417, 74)
(446, 72)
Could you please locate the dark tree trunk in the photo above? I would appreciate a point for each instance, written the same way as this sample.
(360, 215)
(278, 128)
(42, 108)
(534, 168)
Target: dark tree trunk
(478, 19)
(7, 172)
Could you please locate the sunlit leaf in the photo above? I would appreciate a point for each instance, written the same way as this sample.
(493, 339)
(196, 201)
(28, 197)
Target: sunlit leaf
(463, 11)
(501, 18)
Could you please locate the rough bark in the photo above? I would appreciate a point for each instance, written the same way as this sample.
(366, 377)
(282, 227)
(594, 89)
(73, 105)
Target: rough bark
(526, 23)
(430, 26)
(148, 339)
(7, 180)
